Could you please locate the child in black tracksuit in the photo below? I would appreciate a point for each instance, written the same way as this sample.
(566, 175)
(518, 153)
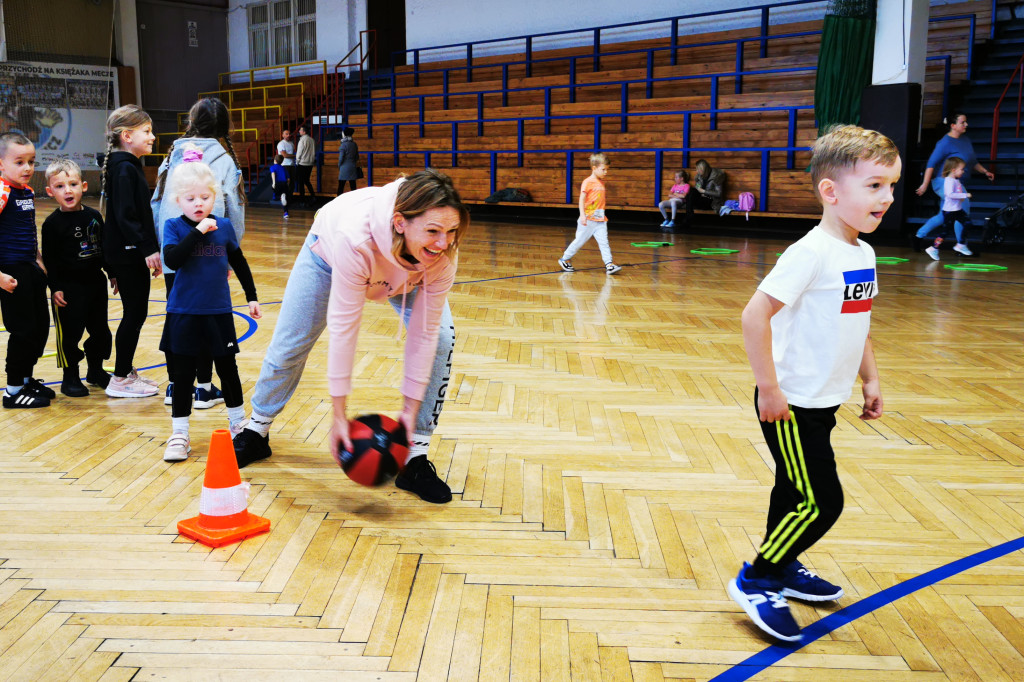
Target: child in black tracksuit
(22, 279)
(74, 266)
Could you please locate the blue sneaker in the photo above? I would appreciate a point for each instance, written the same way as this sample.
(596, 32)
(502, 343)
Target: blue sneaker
(763, 601)
(206, 399)
(802, 583)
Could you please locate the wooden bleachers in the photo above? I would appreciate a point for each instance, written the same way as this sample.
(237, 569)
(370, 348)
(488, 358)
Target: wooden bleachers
(631, 182)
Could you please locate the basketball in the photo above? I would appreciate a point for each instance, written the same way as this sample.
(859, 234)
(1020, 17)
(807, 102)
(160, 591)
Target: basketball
(379, 449)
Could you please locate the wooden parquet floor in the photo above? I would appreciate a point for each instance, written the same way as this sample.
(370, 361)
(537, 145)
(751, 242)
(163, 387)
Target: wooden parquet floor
(609, 478)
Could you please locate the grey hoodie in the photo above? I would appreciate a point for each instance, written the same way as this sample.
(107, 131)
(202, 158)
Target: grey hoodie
(228, 204)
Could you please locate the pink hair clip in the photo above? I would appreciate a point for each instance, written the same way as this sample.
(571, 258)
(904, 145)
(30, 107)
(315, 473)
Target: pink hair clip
(192, 154)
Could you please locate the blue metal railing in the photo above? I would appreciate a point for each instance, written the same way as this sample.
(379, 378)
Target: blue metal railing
(596, 31)
(547, 89)
(658, 152)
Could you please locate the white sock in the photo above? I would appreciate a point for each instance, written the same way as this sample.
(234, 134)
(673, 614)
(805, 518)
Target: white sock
(179, 425)
(260, 424)
(208, 386)
(236, 415)
(13, 390)
(418, 446)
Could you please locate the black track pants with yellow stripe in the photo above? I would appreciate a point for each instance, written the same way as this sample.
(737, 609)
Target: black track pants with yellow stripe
(807, 498)
(86, 311)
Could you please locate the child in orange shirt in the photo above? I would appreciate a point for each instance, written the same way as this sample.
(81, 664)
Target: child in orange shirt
(592, 222)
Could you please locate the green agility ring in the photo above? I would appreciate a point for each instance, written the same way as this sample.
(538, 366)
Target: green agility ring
(713, 252)
(891, 260)
(975, 267)
(650, 245)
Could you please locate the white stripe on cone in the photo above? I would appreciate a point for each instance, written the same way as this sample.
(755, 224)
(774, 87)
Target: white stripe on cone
(224, 501)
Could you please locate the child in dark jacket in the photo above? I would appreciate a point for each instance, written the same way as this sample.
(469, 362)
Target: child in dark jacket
(199, 323)
(74, 267)
(130, 245)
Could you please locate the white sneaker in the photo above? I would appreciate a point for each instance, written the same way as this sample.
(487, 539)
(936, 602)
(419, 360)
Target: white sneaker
(129, 388)
(962, 248)
(178, 447)
(612, 268)
(566, 265)
(933, 252)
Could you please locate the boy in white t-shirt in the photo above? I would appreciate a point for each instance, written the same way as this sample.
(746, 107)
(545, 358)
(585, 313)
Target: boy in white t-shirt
(806, 331)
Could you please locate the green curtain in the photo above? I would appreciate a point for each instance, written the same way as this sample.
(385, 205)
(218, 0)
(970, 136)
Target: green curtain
(844, 68)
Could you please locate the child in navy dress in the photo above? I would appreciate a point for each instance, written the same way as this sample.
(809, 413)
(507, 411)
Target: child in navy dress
(199, 321)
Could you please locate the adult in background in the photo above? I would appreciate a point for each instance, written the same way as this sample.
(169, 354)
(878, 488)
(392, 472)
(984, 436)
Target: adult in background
(396, 243)
(305, 159)
(286, 148)
(706, 190)
(954, 143)
(348, 160)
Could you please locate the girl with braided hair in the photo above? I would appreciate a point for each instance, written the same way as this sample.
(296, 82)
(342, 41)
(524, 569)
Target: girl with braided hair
(130, 245)
(209, 131)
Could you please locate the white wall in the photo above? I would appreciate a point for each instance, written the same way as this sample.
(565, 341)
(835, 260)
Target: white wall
(338, 23)
(442, 22)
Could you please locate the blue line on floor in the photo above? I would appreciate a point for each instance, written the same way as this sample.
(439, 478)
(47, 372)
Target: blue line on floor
(834, 621)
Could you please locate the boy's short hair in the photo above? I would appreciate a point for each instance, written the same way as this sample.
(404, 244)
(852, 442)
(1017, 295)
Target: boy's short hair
(190, 174)
(841, 147)
(278, 159)
(598, 160)
(952, 163)
(63, 166)
(10, 138)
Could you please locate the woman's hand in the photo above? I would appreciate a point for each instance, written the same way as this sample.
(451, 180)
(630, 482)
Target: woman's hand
(921, 190)
(407, 417)
(153, 263)
(339, 430)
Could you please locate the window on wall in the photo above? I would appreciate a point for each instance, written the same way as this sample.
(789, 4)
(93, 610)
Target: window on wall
(281, 32)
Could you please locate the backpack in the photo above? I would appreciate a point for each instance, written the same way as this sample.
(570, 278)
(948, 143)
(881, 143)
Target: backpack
(746, 203)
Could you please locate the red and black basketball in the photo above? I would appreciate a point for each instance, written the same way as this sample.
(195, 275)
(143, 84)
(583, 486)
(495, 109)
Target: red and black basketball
(379, 449)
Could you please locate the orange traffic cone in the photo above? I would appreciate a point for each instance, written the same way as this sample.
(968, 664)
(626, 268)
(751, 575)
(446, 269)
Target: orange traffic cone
(223, 514)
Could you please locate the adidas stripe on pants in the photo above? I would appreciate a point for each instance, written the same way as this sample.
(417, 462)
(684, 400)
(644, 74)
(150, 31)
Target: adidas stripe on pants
(807, 498)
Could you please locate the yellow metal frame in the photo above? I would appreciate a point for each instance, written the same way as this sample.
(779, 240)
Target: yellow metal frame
(243, 110)
(229, 94)
(287, 72)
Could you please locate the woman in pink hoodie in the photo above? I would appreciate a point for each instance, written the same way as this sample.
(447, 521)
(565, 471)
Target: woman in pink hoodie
(396, 243)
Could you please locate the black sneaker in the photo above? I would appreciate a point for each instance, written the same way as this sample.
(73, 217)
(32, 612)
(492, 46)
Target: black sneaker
(25, 399)
(37, 387)
(250, 447)
(420, 477)
(98, 377)
(72, 386)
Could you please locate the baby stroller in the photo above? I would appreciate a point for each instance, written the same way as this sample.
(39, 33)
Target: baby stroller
(1009, 217)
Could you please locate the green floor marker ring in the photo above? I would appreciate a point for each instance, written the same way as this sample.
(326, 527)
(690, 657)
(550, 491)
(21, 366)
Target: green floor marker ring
(650, 245)
(890, 260)
(975, 267)
(713, 252)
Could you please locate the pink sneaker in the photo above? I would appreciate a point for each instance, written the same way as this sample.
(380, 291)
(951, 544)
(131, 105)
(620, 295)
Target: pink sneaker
(129, 387)
(138, 377)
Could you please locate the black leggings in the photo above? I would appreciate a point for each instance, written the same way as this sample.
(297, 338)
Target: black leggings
(27, 318)
(133, 286)
(341, 186)
(204, 370)
(185, 374)
(807, 498)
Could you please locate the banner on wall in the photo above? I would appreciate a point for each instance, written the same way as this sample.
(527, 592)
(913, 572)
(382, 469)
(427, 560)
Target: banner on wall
(62, 108)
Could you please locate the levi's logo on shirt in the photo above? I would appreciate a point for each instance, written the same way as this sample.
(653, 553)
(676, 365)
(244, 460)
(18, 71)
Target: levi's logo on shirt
(860, 289)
